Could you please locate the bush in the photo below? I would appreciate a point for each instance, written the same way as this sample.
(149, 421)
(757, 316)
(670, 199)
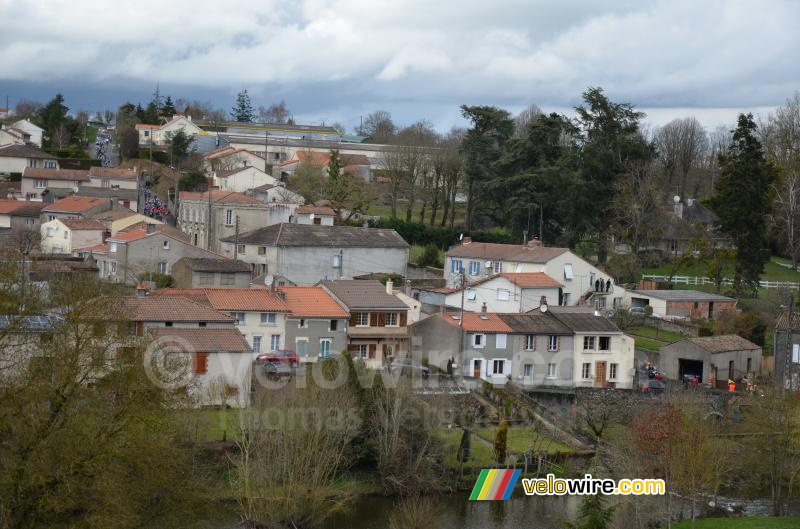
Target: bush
(423, 234)
(749, 325)
(161, 280)
(430, 257)
(500, 442)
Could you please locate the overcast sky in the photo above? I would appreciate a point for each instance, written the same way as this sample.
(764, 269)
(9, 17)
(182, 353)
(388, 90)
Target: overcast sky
(336, 60)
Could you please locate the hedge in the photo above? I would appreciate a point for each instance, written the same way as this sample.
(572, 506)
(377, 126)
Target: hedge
(423, 234)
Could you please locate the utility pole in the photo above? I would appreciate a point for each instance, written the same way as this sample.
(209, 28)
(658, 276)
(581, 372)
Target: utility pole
(463, 280)
(787, 372)
(266, 143)
(209, 220)
(541, 224)
(236, 239)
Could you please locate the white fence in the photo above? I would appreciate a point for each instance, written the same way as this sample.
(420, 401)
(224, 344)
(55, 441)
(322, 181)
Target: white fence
(694, 280)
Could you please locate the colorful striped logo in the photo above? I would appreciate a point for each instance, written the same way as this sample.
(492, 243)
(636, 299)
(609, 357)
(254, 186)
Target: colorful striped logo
(495, 484)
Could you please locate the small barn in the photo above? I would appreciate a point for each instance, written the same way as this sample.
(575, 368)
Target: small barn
(715, 359)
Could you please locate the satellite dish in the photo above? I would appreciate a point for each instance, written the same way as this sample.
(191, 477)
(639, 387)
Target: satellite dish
(269, 279)
(676, 199)
(311, 216)
(461, 237)
(75, 189)
(543, 308)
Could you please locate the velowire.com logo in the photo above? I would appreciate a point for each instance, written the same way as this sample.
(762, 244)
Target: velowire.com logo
(495, 484)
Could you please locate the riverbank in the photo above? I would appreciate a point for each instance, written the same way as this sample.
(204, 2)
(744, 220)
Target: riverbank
(752, 522)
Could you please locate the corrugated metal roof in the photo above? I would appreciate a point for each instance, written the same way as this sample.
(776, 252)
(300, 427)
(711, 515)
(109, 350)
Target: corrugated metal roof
(680, 295)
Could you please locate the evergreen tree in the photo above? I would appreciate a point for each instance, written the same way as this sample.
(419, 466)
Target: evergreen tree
(168, 109)
(151, 114)
(500, 443)
(53, 116)
(593, 514)
(743, 201)
(139, 113)
(242, 111)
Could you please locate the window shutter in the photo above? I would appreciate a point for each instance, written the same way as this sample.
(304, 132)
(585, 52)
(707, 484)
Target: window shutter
(373, 319)
(403, 318)
(381, 319)
(353, 320)
(352, 347)
(558, 343)
(372, 348)
(200, 363)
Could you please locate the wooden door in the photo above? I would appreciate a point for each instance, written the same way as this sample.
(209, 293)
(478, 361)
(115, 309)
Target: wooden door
(600, 374)
(476, 368)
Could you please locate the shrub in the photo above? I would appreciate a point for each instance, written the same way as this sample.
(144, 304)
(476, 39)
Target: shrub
(500, 442)
(430, 256)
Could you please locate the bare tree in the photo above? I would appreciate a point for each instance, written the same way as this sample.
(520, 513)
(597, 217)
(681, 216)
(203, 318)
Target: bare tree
(781, 135)
(60, 137)
(786, 215)
(378, 126)
(524, 119)
(637, 206)
(276, 113)
(26, 109)
(681, 143)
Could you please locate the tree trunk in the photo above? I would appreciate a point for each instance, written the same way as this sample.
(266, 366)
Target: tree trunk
(470, 195)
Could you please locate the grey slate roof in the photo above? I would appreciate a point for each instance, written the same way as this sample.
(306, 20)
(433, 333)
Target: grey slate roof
(208, 264)
(724, 343)
(680, 295)
(535, 323)
(582, 322)
(506, 252)
(322, 236)
(359, 294)
(25, 151)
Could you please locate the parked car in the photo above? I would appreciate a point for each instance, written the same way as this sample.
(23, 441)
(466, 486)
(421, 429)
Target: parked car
(637, 311)
(408, 365)
(276, 369)
(283, 356)
(653, 386)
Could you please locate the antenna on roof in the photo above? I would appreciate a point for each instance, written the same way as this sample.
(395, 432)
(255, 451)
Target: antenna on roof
(75, 189)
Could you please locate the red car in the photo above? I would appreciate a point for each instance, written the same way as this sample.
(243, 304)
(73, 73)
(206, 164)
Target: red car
(284, 356)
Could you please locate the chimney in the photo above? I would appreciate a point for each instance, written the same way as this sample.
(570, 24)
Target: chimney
(389, 287)
(151, 228)
(534, 243)
(281, 294)
(483, 308)
(466, 240)
(690, 202)
(543, 301)
(106, 234)
(142, 290)
(677, 208)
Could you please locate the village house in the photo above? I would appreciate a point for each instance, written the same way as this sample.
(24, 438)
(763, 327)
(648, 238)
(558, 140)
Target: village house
(356, 164)
(65, 235)
(681, 304)
(120, 185)
(160, 135)
(142, 249)
(543, 348)
(229, 211)
(74, 207)
(228, 158)
(207, 272)
(276, 193)
(241, 179)
(306, 254)
(311, 214)
(15, 158)
(220, 357)
(505, 292)
(35, 181)
(13, 136)
(378, 320)
(713, 359)
(116, 220)
(581, 281)
(260, 314)
(34, 132)
(17, 216)
(316, 327)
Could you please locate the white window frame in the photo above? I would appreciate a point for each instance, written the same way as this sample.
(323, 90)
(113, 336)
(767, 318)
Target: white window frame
(274, 342)
(589, 340)
(552, 343)
(527, 370)
(600, 341)
(322, 352)
(256, 344)
(586, 370)
(475, 340)
(501, 341)
(239, 317)
(569, 273)
(268, 318)
(229, 217)
(530, 342)
(395, 319)
(362, 316)
(357, 352)
(40, 184)
(502, 363)
(613, 371)
(333, 323)
(163, 267)
(503, 294)
(472, 294)
(112, 247)
(166, 245)
(552, 370)
(302, 323)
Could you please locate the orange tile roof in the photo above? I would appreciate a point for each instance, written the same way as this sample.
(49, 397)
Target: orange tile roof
(113, 172)
(20, 207)
(127, 236)
(73, 175)
(203, 340)
(316, 210)
(82, 224)
(100, 248)
(229, 299)
(143, 126)
(75, 204)
(312, 302)
(168, 308)
(478, 322)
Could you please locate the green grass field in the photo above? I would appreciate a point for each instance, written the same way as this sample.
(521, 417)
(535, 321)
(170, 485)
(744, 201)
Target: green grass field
(451, 439)
(522, 438)
(655, 334)
(416, 251)
(752, 522)
(648, 344)
(773, 271)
